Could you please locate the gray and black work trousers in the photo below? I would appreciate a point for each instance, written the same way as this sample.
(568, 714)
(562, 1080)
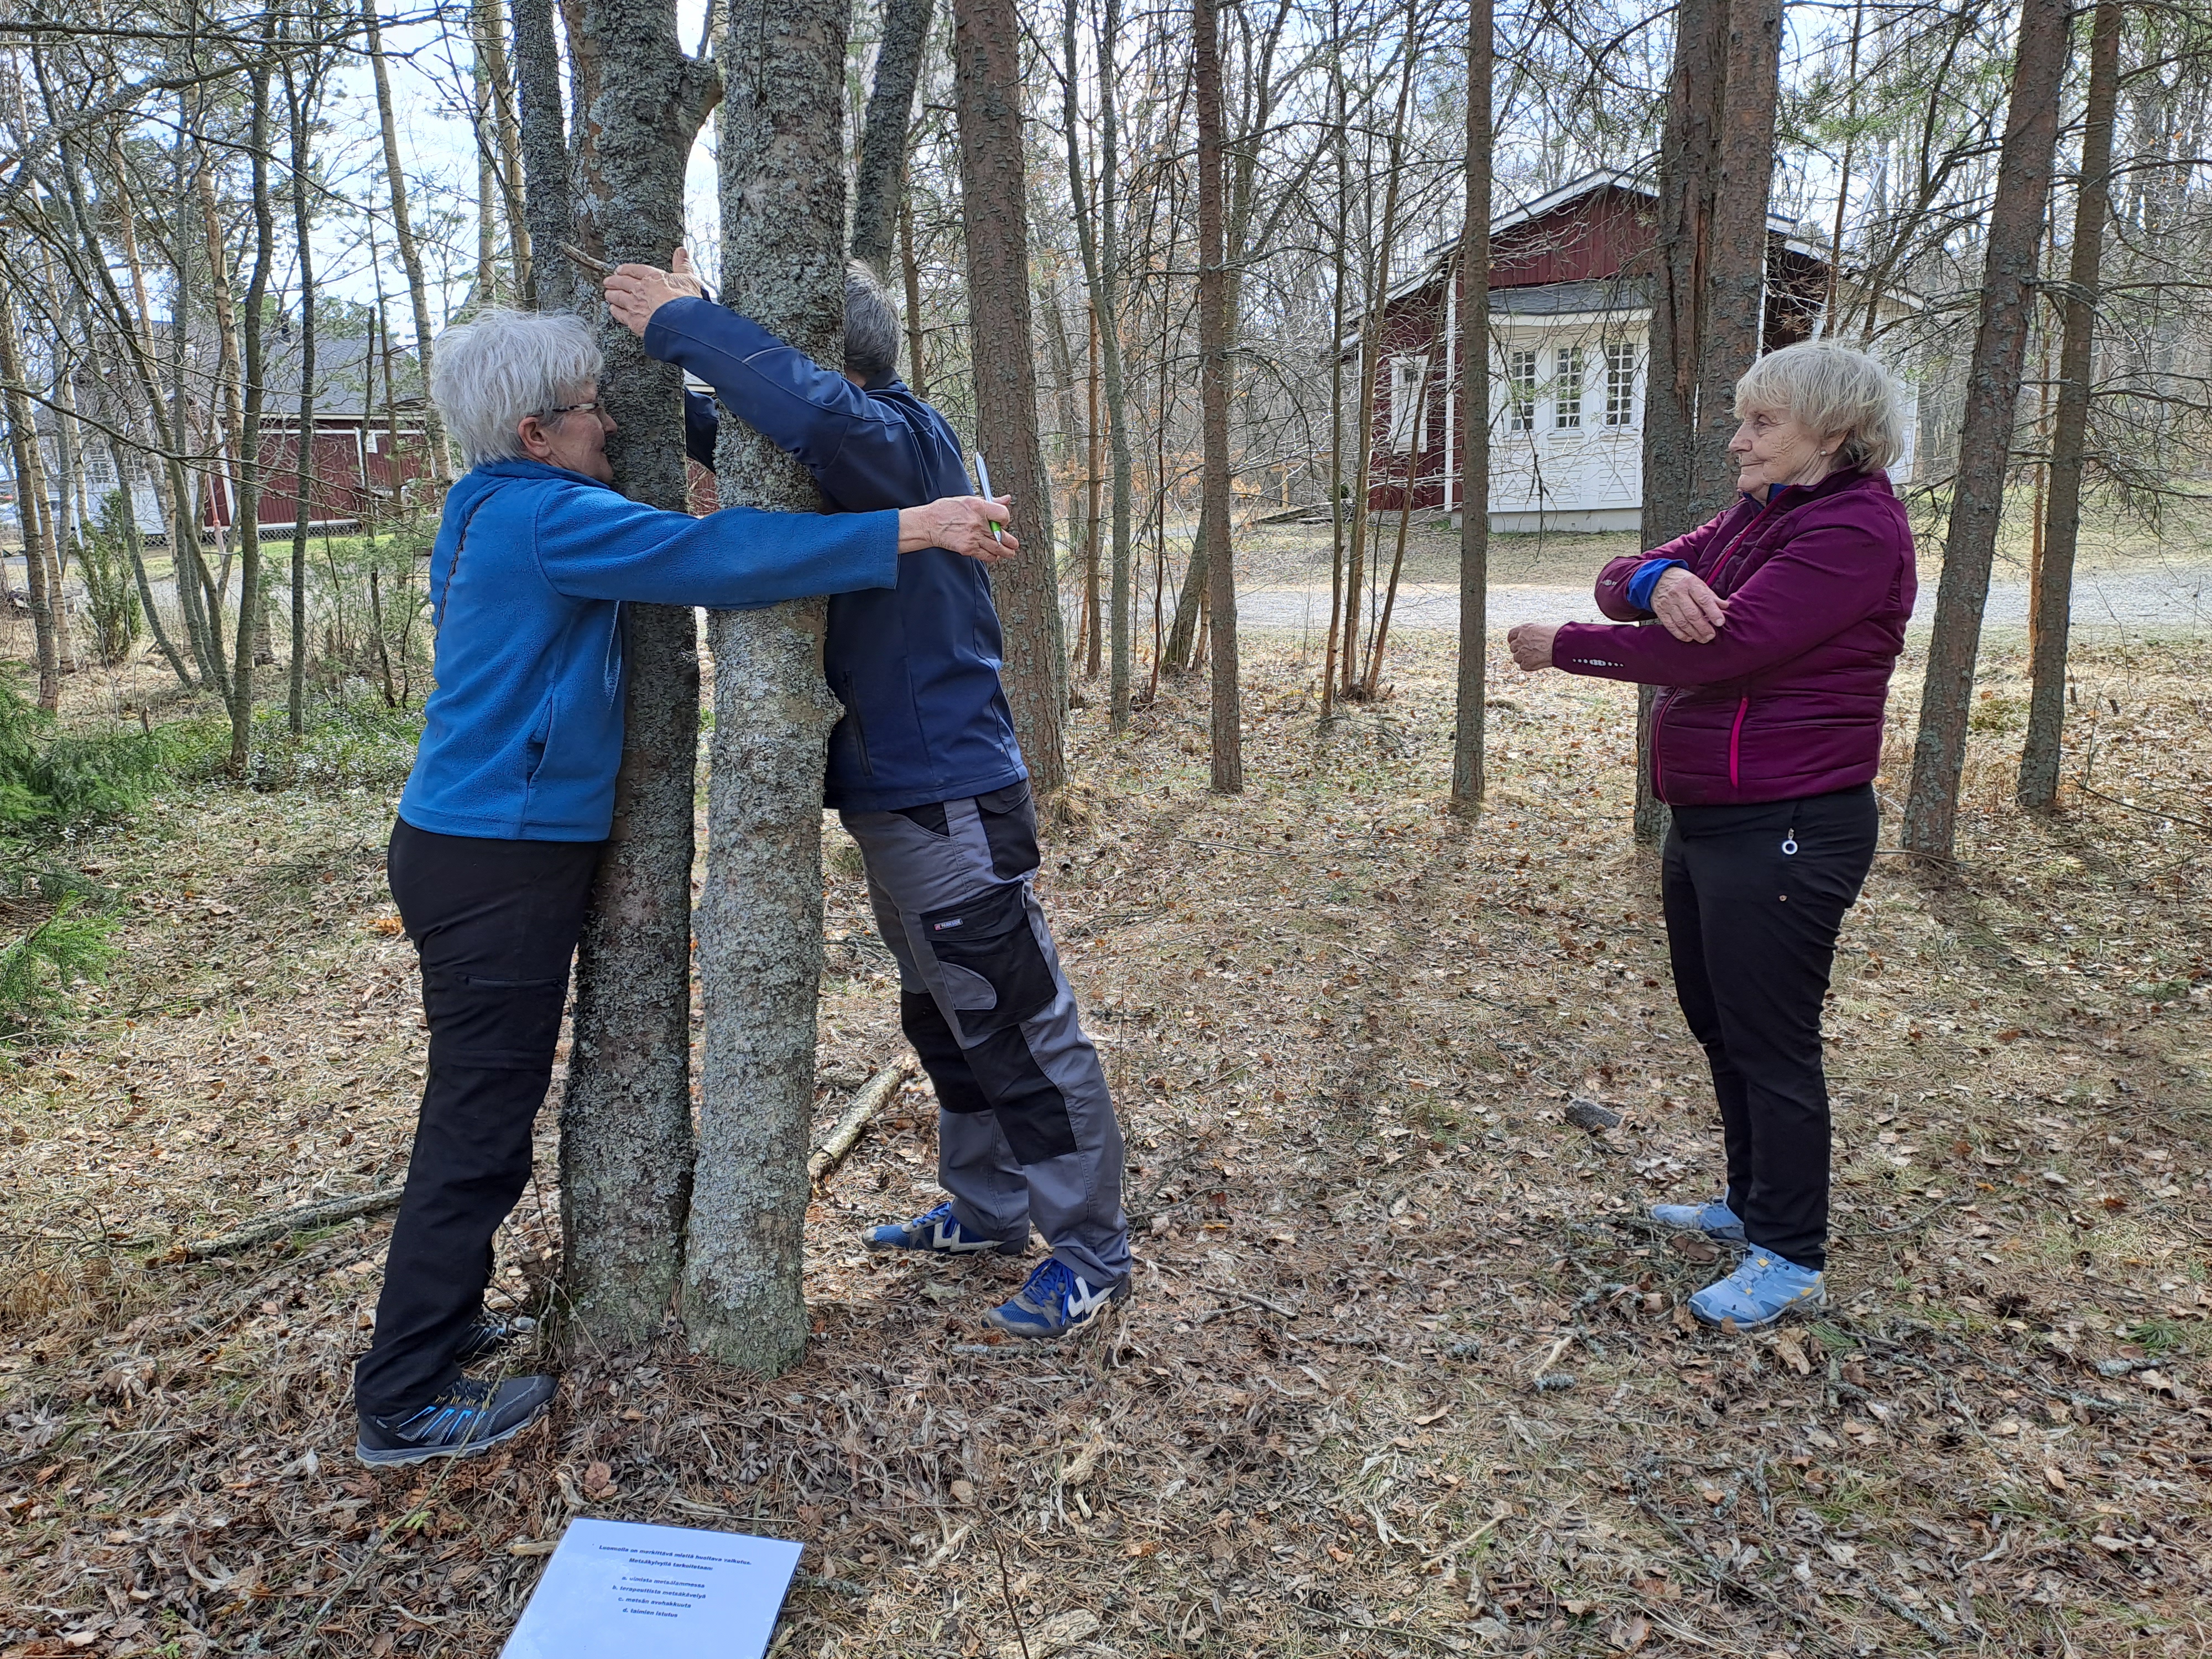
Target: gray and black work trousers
(1025, 1131)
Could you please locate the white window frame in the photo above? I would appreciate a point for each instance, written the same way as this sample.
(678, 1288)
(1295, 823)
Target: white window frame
(1409, 413)
(1567, 378)
(1620, 383)
(1520, 389)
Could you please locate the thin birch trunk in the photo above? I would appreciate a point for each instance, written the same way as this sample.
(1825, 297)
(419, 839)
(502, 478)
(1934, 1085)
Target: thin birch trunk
(30, 509)
(1471, 695)
(1214, 345)
(402, 232)
(760, 918)
(2037, 788)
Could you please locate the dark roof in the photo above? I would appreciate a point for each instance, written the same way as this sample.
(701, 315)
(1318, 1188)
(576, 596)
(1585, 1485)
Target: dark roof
(1562, 299)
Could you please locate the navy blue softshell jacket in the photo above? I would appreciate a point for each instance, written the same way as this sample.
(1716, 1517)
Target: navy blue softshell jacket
(916, 666)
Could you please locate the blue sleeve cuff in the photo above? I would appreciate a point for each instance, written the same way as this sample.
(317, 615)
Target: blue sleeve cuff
(1638, 592)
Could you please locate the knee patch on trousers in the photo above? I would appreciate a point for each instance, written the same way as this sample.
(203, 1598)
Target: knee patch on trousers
(940, 1054)
(988, 939)
(1031, 1110)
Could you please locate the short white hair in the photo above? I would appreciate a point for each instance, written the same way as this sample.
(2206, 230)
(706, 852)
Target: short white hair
(488, 373)
(1835, 390)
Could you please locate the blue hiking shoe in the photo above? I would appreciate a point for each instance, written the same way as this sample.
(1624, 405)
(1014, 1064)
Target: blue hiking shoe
(939, 1233)
(1056, 1300)
(1763, 1291)
(470, 1417)
(1714, 1219)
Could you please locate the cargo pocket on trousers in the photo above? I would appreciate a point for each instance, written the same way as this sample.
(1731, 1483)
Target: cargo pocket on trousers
(989, 938)
(506, 1024)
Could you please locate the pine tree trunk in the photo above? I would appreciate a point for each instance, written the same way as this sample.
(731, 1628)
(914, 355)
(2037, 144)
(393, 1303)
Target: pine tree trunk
(1735, 256)
(760, 918)
(2008, 286)
(402, 232)
(626, 1135)
(2052, 600)
(1471, 698)
(881, 182)
(994, 196)
(1214, 345)
(1689, 180)
(910, 273)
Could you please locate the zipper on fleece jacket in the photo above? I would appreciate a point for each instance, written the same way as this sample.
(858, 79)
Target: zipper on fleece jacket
(1735, 738)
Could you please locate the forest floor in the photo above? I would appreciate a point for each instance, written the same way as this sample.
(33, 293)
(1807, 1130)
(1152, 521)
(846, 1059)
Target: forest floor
(1405, 1371)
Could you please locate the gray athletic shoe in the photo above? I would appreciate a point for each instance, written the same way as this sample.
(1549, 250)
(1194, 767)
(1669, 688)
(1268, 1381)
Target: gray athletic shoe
(1714, 1219)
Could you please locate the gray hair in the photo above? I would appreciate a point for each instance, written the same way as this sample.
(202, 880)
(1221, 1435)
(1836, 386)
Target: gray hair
(488, 373)
(1833, 389)
(872, 324)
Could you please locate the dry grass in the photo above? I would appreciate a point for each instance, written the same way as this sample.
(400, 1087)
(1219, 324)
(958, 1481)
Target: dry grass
(1406, 1373)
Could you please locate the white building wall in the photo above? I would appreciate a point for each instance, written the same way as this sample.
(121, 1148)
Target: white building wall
(1564, 456)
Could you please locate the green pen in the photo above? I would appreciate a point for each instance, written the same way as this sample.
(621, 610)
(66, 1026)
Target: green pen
(983, 478)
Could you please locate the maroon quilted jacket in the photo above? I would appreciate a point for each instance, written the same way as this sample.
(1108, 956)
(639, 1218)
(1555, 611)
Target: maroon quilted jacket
(1786, 702)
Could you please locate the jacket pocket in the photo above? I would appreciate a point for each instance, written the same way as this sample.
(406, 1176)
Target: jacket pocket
(853, 717)
(541, 742)
(988, 939)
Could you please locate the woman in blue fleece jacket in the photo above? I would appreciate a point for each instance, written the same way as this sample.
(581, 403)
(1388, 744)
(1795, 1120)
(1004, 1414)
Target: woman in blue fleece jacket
(501, 824)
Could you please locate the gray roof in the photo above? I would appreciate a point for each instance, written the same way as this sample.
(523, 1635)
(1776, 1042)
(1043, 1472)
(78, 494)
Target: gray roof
(1563, 299)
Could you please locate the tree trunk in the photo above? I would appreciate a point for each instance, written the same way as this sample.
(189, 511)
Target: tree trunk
(253, 367)
(403, 231)
(551, 284)
(2038, 789)
(1094, 479)
(626, 1138)
(1689, 180)
(987, 100)
(1214, 345)
(910, 272)
(881, 184)
(1735, 256)
(297, 97)
(30, 509)
(1102, 266)
(1471, 697)
(2024, 168)
(1341, 142)
(760, 920)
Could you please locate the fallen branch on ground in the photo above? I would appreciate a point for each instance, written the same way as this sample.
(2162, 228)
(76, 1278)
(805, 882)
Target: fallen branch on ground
(879, 1090)
(303, 1218)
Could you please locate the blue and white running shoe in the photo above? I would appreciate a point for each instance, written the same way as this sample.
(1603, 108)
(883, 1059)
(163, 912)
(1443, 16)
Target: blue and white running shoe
(1714, 1219)
(1763, 1291)
(1055, 1301)
(939, 1233)
(470, 1417)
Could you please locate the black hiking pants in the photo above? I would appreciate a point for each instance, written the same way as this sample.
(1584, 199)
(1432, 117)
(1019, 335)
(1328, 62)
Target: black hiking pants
(1754, 897)
(494, 923)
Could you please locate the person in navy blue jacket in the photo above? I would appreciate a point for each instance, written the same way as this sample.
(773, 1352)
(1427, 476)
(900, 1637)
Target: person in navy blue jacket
(927, 779)
(501, 824)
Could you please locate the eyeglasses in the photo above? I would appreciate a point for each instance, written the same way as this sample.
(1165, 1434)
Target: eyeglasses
(569, 409)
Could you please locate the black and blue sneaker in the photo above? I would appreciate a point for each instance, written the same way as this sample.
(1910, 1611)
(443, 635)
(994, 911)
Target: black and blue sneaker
(489, 1332)
(1055, 1301)
(469, 1417)
(939, 1233)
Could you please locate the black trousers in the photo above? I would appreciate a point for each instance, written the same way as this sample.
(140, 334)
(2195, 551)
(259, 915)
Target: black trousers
(1754, 897)
(494, 923)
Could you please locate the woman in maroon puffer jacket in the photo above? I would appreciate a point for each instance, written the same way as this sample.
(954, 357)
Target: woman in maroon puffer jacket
(1780, 622)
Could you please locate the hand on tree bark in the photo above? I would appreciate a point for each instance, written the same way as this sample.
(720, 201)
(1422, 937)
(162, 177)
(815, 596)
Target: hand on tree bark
(1689, 610)
(973, 525)
(635, 292)
(1531, 645)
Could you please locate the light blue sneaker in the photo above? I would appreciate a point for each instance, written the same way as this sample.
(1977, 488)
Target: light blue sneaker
(1713, 1218)
(939, 1233)
(1056, 1300)
(1762, 1291)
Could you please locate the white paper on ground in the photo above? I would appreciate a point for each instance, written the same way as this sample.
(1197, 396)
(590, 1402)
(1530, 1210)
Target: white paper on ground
(616, 1588)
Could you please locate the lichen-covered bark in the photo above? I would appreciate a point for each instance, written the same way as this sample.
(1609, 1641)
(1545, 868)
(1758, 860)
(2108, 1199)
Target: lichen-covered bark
(626, 1144)
(759, 917)
(987, 41)
(881, 181)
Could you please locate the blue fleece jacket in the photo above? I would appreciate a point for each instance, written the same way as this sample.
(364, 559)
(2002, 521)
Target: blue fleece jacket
(524, 732)
(916, 667)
